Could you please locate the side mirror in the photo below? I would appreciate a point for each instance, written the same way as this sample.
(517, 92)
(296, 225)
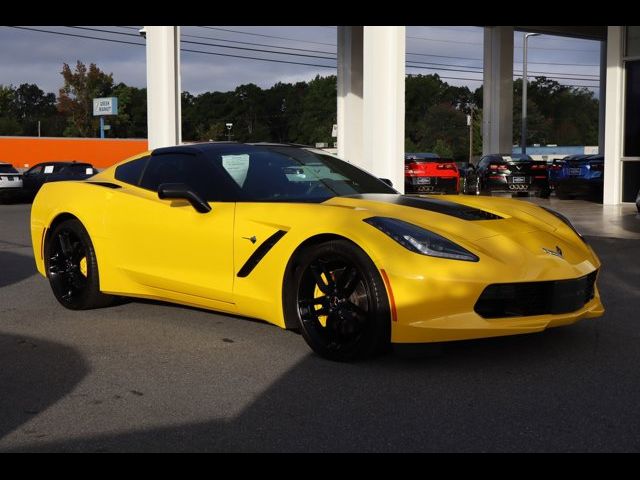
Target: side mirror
(183, 192)
(387, 181)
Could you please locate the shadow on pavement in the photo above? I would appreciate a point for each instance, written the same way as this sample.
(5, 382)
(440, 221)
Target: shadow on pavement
(14, 268)
(575, 388)
(34, 374)
(631, 222)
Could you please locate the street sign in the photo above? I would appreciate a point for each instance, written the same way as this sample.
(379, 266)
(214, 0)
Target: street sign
(334, 131)
(105, 106)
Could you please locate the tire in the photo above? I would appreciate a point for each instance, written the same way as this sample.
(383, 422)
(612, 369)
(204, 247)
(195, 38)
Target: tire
(476, 188)
(72, 268)
(357, 319)
(561, 194)
(544, 192)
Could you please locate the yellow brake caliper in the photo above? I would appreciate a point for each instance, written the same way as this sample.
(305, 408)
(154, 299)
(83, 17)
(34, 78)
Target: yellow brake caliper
(317, 294)
(83, 266)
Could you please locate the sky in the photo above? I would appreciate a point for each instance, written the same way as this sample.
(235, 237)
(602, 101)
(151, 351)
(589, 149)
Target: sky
(454, 52)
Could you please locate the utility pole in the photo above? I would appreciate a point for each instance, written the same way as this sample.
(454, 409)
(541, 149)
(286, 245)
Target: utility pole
(523, 139)
(470, 124)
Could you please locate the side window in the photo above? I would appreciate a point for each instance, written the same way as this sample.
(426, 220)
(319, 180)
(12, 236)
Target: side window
(169, 168)
(483, 162)
(131, 172)
(203, 176)
(34, 170)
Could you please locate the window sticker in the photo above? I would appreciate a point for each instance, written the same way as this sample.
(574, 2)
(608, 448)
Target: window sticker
(89, 171)
(48, 169)
(237, 166)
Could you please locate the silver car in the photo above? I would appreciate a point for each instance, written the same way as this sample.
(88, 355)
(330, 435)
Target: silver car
(10, 181)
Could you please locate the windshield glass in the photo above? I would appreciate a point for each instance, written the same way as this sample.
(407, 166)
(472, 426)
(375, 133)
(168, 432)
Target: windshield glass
(7, 168)
(280, 173)
(516, 157)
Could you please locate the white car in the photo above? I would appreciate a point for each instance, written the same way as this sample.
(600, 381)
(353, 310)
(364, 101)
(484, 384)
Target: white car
(10, 181)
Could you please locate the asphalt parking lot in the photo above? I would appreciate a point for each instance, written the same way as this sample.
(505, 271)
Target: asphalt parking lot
(147, 376)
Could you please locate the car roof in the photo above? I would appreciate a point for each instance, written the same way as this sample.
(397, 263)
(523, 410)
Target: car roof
(512, 155)
(205, 147)
(63, 162)
(421, 155)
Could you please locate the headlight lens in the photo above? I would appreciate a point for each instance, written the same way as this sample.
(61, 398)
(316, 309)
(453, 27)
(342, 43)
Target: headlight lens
(564, 220)
(419, 240)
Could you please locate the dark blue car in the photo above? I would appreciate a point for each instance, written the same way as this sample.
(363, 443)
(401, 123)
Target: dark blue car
(577, 175)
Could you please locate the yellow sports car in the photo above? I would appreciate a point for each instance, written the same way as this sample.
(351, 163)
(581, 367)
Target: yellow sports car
(306, 241)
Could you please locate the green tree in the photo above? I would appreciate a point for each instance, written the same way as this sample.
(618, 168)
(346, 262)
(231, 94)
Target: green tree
(75, 98)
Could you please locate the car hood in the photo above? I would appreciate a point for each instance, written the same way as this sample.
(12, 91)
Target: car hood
(470, 218)
(515, 233)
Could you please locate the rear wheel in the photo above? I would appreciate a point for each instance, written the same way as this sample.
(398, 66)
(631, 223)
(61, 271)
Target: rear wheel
(544, 192)
(72, 267)
(339, 301)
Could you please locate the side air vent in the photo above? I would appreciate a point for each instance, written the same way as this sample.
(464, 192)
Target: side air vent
(105, 184)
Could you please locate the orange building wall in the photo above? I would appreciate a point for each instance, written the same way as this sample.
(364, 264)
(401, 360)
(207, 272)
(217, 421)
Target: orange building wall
(25, 152)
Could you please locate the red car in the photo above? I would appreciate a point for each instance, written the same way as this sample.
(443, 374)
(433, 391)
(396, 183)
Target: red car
(429, 173)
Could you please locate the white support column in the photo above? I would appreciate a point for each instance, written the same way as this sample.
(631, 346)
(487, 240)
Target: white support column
(164, 122)
(350, 93)
(602, 101)
(497, 110)
(383, 93)
(614, 110)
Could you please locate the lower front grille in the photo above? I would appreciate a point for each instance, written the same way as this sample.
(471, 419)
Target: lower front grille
(502, 300)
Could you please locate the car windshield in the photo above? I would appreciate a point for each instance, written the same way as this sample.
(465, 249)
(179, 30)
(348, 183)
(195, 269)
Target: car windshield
(281, 173)
(516, 157)
(7, 168)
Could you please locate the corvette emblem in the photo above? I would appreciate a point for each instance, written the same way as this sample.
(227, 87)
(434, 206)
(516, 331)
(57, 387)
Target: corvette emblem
(556, 253)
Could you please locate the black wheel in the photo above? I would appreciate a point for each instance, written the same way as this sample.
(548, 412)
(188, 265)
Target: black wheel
(561, 194)
(476, 187)
(72, 268)
(338, 298)
(544, 192)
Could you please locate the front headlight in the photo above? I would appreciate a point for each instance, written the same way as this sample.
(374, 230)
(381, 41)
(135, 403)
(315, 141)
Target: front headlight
(419, 240)
(565, 220)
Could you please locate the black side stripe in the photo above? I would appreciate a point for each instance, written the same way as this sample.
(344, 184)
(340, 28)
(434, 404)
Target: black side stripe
(259, 253)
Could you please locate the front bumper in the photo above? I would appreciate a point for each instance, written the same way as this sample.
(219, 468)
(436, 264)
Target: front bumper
(469, 325)
(435, 299)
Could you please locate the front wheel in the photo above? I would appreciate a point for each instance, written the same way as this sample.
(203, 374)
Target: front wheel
(338, 298)
(72, 267)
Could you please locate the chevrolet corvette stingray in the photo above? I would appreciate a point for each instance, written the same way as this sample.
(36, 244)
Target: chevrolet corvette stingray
(306, 241)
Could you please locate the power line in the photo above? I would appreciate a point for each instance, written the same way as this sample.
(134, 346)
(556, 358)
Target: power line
(477, 44)
(76, 35)
(481, 68)
(244, 43)
(551, 75)
(324, 51)
(214, 44)
(264, 35)
(182, 49)
(266, 59)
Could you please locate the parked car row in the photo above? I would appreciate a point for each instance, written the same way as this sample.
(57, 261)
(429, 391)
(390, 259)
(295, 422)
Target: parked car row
(24, 186)
(574, 175)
